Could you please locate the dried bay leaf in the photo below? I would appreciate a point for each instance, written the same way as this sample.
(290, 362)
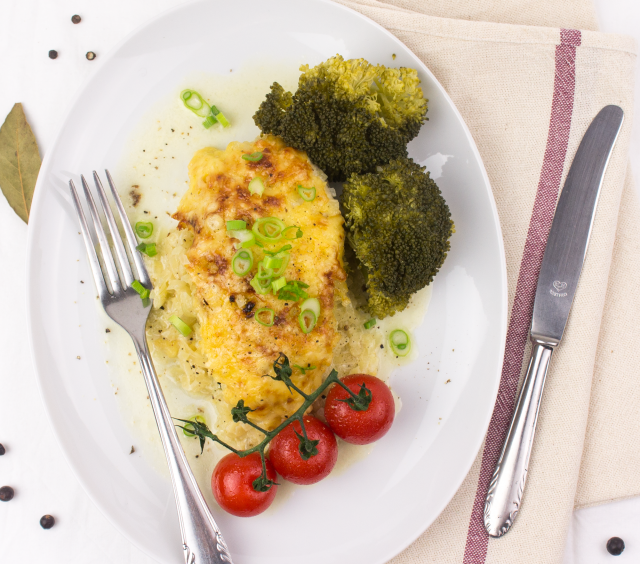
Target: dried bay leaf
(19, 162)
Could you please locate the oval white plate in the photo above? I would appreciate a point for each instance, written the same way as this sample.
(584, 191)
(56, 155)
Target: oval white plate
(380, 504)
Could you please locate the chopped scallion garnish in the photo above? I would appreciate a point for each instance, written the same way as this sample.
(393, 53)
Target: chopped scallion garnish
(268, 229)
(307, 320)
(293, 291)
(253, 157)
(400, 342)
(280, 250)
(265, 316)
(144, 229)
(148, 249)
(219, 116)
(195, 103)
(256, 186)
(242, 262)
(278, 284)
(307, 194)
(180, 325)
(234, 224)
(312, 304)
(138, 287)
(247, 238)
(292, 236)
(199, 419)
(261, 286)
(369, 324)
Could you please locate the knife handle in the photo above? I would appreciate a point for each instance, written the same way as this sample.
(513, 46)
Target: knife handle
(507, 484)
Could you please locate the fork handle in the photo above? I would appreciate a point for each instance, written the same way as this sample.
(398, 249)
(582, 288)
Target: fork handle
(202, 541)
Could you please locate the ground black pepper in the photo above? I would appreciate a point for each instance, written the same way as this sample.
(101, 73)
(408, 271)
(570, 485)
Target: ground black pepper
(47, 521)
(53, 54)
(76, 19)
(6, 493)
(91, 55)
(2, 449)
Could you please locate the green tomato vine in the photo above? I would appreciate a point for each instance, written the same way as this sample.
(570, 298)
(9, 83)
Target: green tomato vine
(306, 447)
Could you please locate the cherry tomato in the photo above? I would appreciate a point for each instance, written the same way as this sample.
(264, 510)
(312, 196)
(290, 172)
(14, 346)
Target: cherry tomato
(360, 427)
(232, 485)
(285, 455)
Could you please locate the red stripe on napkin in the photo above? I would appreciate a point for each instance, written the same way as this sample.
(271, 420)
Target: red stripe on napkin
(517, 333)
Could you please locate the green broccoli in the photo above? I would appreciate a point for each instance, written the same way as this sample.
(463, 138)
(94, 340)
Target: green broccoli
(349, 116)
(399, 226)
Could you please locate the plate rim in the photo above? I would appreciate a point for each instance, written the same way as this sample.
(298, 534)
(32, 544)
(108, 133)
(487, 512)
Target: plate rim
(39, 188)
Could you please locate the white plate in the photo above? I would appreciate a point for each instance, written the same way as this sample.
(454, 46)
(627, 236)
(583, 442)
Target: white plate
(380, 504)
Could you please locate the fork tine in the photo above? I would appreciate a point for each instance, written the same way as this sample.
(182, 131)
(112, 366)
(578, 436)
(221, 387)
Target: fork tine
(98, 278)
(123, 259)
(107, 257)
(131, 238)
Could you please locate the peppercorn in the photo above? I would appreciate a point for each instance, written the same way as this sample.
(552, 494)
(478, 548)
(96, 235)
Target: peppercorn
(76, 19)
(53, 54)
(615, 546)
(91, 55)
(6, 493)
(47, 521)
(2, 449)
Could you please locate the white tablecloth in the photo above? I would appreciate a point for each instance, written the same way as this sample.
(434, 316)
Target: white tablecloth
(34, 465)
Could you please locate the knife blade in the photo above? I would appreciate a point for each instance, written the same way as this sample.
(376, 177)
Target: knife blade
(557, 283)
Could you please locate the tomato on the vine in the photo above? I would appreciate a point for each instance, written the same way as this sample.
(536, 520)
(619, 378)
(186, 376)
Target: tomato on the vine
(301, 465)
(360, 427)
(232, 485)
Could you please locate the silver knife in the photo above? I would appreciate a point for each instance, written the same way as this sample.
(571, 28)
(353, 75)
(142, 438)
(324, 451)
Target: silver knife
(557, 283)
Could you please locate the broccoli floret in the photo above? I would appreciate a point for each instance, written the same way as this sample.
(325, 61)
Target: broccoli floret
(399, 226)
(349, 116)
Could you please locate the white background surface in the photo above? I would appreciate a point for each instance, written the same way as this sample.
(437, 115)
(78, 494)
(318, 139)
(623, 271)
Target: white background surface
(34, 464)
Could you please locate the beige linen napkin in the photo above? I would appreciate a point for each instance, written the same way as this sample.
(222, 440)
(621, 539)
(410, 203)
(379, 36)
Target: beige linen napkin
(528, 95)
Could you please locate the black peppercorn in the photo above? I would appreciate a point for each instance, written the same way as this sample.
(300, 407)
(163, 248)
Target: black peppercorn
(2, 449)
(91, 55)
(76, 19)
(53, 54)
(47, 521)
(615, 546)
(232, 298)
(6, 493)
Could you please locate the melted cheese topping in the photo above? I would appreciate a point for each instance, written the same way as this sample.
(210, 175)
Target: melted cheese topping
(239, 350)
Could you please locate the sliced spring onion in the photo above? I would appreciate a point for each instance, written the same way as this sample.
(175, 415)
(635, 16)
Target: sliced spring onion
(264, 273)
(400, 342)
(247, 238)
(195, 103)
(198, 418)
(312, 304)
(235, 224)
(211, 120)
(276, 285)
(280, 250)
(307, 194)
(148, 249)
(242, 262)
(256, 186)
(272, 262)
(180, 325)
(307, 320)
(268, 229)
(284, 257)
(219, 116)
(253, 157)
(144, 229)
(261, 286)
(144, 292)
(293, 291)
(265, 316)
(369, 324)
(291, 236)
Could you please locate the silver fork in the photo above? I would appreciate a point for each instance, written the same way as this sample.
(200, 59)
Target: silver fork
(202, 540)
